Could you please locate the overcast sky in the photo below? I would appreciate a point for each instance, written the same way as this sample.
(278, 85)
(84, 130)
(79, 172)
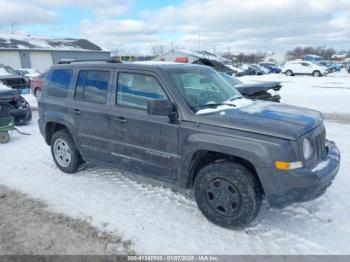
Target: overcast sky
(135, 26)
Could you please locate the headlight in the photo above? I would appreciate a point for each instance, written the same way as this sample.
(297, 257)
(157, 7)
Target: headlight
(307, 149)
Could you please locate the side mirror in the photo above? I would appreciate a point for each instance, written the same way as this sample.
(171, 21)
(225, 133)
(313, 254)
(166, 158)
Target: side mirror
(160, 107)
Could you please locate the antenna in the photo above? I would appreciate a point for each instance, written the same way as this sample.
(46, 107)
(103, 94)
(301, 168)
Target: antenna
(197, 120)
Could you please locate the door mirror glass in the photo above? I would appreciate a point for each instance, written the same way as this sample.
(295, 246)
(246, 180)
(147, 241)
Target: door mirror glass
(160, 107)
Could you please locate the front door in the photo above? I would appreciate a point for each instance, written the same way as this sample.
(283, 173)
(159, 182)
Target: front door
(306, 68)
(143, 143)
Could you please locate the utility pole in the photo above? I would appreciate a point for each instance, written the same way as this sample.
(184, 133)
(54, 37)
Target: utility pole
(199, 40)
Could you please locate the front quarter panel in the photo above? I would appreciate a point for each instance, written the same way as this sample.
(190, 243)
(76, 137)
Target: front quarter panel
(260, 151)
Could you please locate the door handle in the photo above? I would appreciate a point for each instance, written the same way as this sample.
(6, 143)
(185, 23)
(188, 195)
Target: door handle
(77, 111)
(121, 119)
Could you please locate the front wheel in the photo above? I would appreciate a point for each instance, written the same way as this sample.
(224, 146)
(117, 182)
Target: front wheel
(316, 74)
(4, 137)
(289, 73)
(64, 152)
(227, 194)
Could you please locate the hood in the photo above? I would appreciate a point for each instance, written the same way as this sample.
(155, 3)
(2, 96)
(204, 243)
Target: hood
(2, 77)
(267, 118)
(250, 89)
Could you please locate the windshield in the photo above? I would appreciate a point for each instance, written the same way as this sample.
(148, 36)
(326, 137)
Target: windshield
(232, 80)
(5, 70)
(202, 87)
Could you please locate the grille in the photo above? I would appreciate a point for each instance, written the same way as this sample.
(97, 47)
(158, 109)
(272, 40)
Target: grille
(318, 141)
(320, 145)
(14, 82)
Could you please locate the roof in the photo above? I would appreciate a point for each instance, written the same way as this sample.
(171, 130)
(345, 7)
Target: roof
(45, 43)
(154, 63)
(194, 53)
(313, 56)
(138, 66)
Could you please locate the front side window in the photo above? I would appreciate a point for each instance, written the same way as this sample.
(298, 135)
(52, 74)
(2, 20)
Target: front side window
(92, 86)
(202, 87)
(58, 83)
(135, 90)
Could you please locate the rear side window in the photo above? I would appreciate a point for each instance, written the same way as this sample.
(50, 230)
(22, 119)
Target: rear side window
(92, 86)
(58, 83)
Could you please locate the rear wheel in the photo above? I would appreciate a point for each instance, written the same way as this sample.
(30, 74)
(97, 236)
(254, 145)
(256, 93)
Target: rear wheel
(316, 74)
(64, 152)
(227, 194)
(37, 93)
(4, 137)
(289, 73)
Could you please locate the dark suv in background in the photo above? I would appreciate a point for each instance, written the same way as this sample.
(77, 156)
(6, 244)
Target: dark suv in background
(19, 108)
(9, 77)
(186, 125)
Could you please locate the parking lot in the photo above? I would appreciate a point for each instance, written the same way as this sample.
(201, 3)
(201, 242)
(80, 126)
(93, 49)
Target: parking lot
(159, 220)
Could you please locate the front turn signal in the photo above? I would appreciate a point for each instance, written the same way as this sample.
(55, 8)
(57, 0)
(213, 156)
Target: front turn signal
(288, 166)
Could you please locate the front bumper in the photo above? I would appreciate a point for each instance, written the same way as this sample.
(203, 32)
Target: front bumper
(309, 184)
(22, 116)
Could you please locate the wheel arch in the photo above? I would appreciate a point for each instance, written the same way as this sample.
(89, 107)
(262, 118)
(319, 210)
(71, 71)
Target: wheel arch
(202, 158)
(201, 149)
(51, 128)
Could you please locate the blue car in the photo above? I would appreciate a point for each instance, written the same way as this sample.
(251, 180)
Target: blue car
(332, 67)
(272, 67)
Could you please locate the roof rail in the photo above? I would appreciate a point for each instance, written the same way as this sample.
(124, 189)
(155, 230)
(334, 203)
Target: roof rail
(70, 61)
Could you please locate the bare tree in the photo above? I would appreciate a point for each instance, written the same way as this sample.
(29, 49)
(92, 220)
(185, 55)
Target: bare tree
(13, 27)
(299, 52)
(158, 50)
(10, 28)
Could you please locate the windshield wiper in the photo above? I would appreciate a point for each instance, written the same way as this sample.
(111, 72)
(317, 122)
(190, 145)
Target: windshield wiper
(210, 105)
(235, 98)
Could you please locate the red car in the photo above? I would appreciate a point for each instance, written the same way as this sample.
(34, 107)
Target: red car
(36, 85)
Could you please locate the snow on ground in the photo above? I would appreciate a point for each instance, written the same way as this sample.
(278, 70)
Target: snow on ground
(159, 221)
(330, 94)
(31, 99)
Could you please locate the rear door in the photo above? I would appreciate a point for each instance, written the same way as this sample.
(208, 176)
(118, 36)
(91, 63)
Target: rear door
(143, 143)
(91, 111)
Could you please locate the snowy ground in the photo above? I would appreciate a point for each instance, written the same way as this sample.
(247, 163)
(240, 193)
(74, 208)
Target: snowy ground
(31, 100)
(329, 94)
(27, 227)
(159, 221)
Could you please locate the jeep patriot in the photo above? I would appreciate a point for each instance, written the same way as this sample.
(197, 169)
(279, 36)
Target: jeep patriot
(186, 125)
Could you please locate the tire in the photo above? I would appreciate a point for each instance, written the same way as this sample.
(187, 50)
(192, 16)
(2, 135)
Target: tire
(289, 73)
(4, 137)
(64, 152)
(227, 194)
(37, 93)
(316, 73)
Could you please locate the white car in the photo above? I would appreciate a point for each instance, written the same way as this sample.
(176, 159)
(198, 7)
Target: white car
(300, 67)
(29, 72)
(238, 71)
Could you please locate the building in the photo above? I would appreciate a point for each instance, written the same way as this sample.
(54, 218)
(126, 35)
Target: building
(186, 56)
(340, 57)
(20, 51)
(278, 58)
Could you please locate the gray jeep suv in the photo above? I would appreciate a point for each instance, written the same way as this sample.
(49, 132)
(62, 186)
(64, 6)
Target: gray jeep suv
(184, 124)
